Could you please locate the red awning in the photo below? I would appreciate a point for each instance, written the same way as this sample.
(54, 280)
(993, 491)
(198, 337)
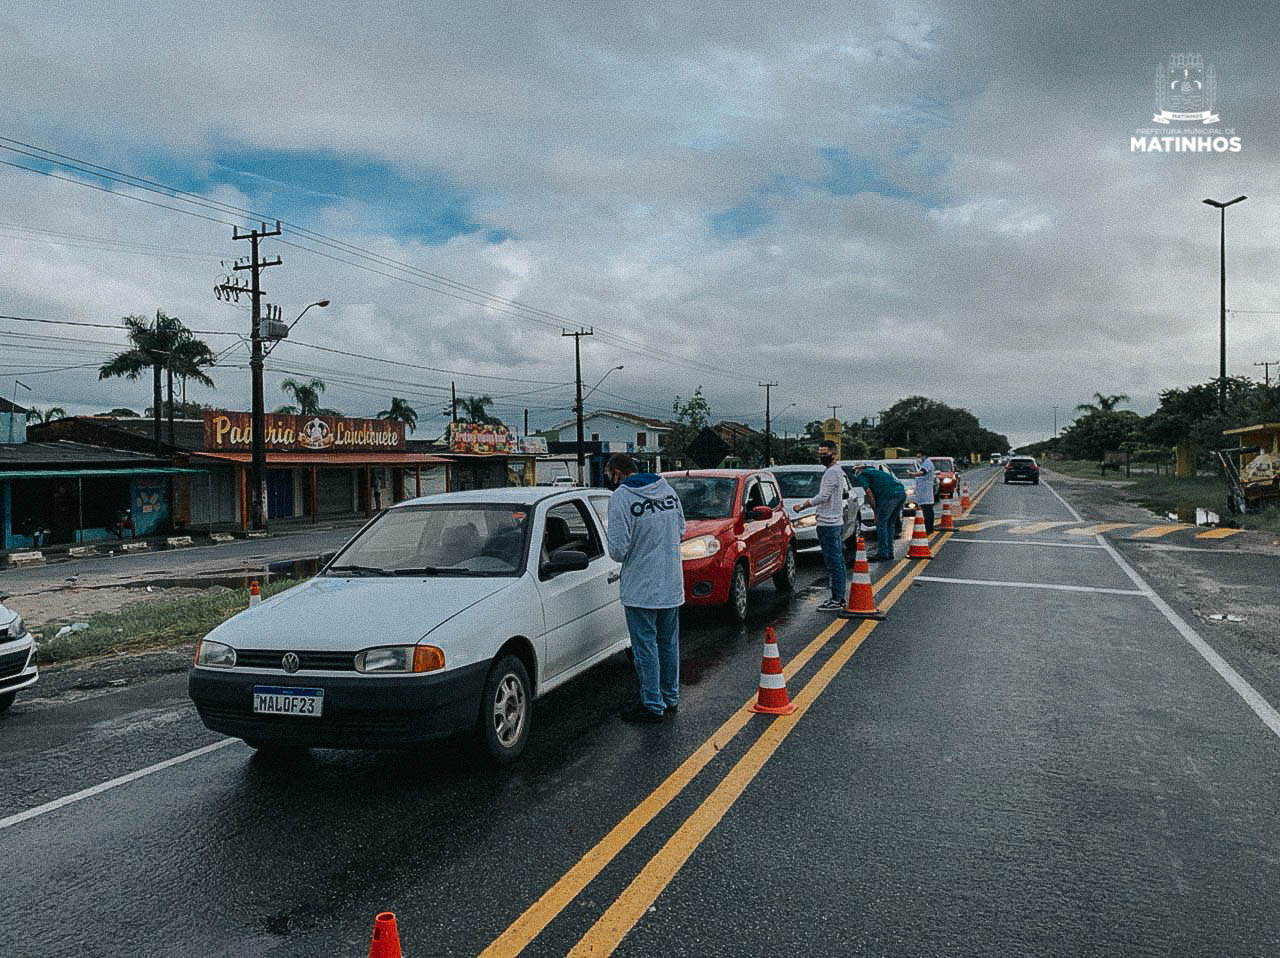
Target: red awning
(352, 459)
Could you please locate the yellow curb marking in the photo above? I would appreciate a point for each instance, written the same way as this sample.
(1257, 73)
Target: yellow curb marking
(1155, 532)
(1217, 533)
(1031, 527)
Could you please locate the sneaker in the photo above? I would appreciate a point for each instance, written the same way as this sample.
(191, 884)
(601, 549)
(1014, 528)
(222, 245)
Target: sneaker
(672, 709)
(831, 605)
(639, 715)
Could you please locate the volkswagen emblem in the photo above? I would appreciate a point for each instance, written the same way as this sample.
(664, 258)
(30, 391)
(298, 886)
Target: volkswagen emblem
(290, 662)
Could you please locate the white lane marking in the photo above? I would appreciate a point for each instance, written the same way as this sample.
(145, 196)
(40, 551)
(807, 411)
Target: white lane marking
(114, 783)
(1029, 585)
(1075, 515)
(1261, 707)
(1029, 542)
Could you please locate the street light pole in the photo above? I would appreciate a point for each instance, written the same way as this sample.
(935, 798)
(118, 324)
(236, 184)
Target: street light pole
(13, 406)
(1222, 312)
(582, 398)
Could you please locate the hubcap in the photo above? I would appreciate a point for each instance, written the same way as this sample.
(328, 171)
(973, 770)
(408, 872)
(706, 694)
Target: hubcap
(509, 709)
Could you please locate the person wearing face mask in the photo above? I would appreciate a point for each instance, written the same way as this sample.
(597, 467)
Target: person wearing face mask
(924, 474)
(646, 524)
(830, 515)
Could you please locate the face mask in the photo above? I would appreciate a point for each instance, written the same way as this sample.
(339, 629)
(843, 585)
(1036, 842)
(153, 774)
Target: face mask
(825, 459)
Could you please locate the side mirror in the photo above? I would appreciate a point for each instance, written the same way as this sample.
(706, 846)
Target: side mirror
(761, 514)
(564, 560)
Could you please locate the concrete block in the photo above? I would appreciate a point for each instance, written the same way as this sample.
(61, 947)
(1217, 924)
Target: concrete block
(221, 537)
(26, 558)
(138, 546)
(82, 552)
(257, 534)
(175, 542)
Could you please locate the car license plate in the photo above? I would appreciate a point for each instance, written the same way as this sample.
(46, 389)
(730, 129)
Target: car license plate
(273, 700)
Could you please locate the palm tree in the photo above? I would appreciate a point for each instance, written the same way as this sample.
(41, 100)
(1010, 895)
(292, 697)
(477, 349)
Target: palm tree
(1102, 403)
(152, 344)
(185, 360)
(46, 415)
(401, 411)
(305, 395)
(475, 409)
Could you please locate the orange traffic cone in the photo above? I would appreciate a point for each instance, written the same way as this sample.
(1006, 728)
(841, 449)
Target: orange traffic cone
(255, 594)
(385, 942)
(772, 697)
(861, 603)
(919, 541)
(946, 525)
(964, 496)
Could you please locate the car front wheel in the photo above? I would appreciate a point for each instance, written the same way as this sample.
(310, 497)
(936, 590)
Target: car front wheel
(784, 579)
(737, 607)
(505, 710)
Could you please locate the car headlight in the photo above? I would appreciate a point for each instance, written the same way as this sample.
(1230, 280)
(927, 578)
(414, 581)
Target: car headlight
(699, 547)
(400, 658)
(17, 628)
(215, 655)
(805, 522)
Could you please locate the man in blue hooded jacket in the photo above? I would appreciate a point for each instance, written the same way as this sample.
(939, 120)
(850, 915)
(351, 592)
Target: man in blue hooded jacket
(646, 524)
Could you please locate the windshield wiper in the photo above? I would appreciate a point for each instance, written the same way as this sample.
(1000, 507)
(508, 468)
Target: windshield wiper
(429, 570)
(357, 570)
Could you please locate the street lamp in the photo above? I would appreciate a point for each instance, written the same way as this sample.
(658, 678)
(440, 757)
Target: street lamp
(258, 467)
(322, 303)
(1222, 313)
(582, 448)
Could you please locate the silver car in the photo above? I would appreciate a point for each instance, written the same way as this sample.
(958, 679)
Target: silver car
(799, 483)
(444, 614)
(17, 656)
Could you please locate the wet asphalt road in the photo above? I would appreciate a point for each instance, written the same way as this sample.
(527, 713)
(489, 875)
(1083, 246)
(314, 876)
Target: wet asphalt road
(996, 769)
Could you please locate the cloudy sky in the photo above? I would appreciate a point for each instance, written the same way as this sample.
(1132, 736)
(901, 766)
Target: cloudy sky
(857, 201)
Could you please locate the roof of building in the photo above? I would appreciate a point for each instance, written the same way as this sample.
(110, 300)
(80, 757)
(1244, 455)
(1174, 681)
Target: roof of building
(617, 414)
(63, 453)
(7, 406)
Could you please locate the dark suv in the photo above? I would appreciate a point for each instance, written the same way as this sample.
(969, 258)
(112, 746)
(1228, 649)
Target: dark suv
(1022, 467)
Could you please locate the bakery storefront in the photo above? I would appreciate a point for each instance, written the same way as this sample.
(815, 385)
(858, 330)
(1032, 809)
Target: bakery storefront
(318, 467)
(488, 456)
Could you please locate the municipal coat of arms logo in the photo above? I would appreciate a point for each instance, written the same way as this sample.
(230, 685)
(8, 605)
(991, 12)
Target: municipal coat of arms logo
(1185, 90)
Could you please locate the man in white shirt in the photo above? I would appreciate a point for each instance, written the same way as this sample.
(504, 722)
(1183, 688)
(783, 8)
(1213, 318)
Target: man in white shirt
(924, 475)
(830, 515)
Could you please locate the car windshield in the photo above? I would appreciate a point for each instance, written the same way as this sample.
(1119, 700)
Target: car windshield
(943, 464)
(799, 485)
(901, 469)
(453, 539)
(702, 497)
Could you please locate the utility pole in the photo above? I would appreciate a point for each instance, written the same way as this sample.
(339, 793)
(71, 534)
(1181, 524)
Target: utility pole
(1222, 279)
(1266, 371)
(256, 265)
(526, 424)
(768, 461)
(577, 364)
(1055, 422)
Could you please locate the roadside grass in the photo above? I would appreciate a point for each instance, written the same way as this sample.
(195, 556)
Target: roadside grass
(159, 624)
(1165, 494)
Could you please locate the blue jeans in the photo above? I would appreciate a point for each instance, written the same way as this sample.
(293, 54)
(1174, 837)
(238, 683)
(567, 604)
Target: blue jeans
(833, 556)
(887, 510)
(655, 644)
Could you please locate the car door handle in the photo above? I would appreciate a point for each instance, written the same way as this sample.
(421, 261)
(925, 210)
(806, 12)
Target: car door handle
(615, 576)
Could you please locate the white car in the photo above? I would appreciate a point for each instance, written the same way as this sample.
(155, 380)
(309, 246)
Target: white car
(17, 656)
(444, 614)
(799, 483)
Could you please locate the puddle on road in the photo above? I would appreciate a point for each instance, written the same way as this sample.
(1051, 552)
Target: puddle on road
(296, 569)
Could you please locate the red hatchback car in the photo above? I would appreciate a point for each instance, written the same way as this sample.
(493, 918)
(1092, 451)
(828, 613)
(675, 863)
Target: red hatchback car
(737, 535)
(948, 481)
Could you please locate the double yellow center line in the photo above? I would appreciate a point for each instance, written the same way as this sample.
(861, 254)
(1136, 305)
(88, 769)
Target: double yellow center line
(609, 930)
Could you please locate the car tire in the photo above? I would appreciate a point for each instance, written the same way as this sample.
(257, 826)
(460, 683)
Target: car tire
(737, 604)
(1006, 480)
(506, 710)
(6, 700)
(1035, 482)
(785, 579)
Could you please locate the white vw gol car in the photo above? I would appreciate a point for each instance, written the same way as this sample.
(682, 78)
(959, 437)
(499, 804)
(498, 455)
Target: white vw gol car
(444, 614)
